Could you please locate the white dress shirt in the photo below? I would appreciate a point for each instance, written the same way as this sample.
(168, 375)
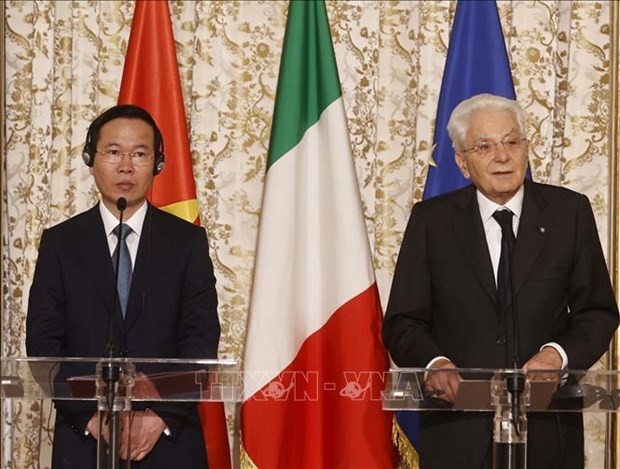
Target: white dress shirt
(135, 222)
(492, 230)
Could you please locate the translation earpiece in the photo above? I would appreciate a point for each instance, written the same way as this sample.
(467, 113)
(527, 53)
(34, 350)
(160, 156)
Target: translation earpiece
(87, 158)
(159, 165)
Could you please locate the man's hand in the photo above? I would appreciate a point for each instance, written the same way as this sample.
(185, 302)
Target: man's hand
(93, 428)
(146, 427)
(547, 359)
(144, 388)
(442, 384)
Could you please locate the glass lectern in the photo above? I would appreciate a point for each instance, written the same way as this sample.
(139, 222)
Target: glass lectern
(116, 384)
(510, 394)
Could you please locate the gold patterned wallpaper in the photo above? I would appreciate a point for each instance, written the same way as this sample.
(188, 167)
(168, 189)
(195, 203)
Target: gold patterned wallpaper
(63, 65)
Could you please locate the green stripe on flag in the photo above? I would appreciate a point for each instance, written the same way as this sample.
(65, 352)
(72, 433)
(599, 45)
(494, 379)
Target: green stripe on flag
(308, 80)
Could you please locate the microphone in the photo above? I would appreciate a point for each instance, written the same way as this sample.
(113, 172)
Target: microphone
(515, 383)
(121, 205)
(111, 371)
(513, 310)
(510, 431)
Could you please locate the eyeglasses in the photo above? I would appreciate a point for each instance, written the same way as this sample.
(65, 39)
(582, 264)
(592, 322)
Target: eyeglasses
(488, 147)
(138, 158)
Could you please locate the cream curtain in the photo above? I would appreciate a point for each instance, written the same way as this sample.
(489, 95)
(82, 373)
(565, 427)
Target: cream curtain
(63, 65)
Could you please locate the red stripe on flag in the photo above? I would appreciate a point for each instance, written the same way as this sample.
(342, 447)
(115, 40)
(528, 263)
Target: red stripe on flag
(213, 419)
(324, 409)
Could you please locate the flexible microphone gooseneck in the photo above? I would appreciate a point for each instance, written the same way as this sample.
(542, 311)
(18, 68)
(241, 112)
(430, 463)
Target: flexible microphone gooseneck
(111, 372)
(515, 383)
(510, 433)
(515, 317)
(121, 205)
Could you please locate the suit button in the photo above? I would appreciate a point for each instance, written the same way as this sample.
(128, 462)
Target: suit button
(501, 341)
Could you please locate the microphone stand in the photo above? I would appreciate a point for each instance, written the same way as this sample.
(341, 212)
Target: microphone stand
(111, 370)
(512, 454)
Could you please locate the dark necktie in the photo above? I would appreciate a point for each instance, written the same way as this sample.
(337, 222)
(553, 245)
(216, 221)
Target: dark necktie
(504, 218)
(124, 262)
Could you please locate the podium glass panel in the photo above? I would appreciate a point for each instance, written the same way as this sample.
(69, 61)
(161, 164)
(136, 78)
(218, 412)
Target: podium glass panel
(480, 389)
(114, 385)
(510, 394)
(174, 380)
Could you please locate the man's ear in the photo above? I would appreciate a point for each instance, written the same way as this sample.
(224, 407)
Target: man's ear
(462, 164)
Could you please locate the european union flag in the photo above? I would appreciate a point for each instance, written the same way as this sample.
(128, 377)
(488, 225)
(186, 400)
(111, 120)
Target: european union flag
(477, 62)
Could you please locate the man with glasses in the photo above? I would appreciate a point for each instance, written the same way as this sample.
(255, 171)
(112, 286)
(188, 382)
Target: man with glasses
(451, 303)
(166, 303)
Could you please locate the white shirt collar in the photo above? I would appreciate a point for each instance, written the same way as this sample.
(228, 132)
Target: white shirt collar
(135, 222)
(488, 207)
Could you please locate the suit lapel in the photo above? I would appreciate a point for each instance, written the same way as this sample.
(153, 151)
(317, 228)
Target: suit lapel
(95, 254)
(535, 222)
(470, 232)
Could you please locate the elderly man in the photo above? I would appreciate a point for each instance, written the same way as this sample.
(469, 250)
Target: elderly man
(450, 307)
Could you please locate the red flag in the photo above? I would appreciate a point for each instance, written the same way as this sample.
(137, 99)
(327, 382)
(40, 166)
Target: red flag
(151, 80)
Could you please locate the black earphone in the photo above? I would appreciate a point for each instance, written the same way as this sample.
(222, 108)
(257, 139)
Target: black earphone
(123, 111)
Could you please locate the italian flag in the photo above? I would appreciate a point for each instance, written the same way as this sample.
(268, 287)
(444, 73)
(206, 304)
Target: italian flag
(151, 80)
(314, 361)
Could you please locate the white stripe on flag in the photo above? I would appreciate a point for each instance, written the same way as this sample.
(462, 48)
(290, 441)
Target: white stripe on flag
(313, 254)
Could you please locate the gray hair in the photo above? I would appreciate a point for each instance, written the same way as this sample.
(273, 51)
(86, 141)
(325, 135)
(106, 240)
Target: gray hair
(458, 125)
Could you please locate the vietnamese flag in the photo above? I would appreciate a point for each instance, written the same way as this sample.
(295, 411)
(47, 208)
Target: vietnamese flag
(151, 80)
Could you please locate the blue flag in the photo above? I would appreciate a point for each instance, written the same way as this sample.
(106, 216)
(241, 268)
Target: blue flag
(477, 62)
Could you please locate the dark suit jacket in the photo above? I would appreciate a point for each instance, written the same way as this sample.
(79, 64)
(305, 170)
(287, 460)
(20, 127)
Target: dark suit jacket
(442, 303)
(171, 313)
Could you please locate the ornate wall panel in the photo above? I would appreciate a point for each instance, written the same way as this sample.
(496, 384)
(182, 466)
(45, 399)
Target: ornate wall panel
(64, 63)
